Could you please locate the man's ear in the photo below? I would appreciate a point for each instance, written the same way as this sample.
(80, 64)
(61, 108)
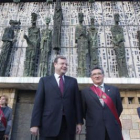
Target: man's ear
(54, 64)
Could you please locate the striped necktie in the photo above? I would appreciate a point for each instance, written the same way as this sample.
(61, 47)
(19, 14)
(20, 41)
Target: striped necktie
(101, 87)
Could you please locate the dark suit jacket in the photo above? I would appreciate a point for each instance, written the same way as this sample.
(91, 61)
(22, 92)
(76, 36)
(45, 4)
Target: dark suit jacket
(49, 106)
(138, 111)
(99, 118)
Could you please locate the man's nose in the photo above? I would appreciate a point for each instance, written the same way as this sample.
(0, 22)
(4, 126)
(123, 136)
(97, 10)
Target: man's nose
(97, 75)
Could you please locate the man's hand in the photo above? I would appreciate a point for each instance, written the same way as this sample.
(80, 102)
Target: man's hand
(34, 131)
(5, 137)
(78, 128)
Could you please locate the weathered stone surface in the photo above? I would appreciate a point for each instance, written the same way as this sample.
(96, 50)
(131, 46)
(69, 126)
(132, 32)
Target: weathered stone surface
(135, 125)
(127, 124)
(134, 134)
(126, 134)
(135, 118)
(126, 117)
(130, 111)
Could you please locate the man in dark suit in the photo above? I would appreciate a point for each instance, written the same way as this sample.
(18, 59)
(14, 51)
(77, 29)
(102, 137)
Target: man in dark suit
(57, 112)
(102, 108)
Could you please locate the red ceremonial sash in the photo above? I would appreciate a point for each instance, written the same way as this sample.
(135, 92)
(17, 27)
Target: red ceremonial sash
(108, 101)
(3, 119)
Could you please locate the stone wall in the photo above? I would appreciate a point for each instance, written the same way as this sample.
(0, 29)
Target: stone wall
(129, 118)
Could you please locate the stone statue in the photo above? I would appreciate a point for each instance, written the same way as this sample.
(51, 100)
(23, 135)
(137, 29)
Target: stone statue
(118, 41)
(49, 1)
(8, 39)
(91, 1)
(16, 1)
(33, 41)
(92, 40)
(138, 36)
(58, 17)
(82, 46)
(45, 49)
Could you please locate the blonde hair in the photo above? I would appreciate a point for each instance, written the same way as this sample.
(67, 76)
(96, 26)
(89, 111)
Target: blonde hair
(6, 99)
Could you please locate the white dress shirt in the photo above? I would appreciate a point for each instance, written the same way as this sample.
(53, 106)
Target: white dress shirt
(103, 89)
(57, 77)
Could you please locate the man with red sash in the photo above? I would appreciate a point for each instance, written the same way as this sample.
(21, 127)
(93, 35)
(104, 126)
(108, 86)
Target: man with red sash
(102, 108)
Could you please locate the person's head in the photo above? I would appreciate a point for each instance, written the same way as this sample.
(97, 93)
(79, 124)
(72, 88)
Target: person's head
(116, 18)
(58, 6)
(11, 22)
(33, 18)
(81, 17)
(92, 21)
(60, 65)
(3, 100)
(97, 75)
(48, 20)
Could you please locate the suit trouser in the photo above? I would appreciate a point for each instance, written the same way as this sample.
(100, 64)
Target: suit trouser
(1, 134)
(106, 136)
(63, 134)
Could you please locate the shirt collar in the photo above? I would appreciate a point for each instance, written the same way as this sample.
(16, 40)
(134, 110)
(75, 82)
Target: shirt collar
(57, 76)
(102, 85)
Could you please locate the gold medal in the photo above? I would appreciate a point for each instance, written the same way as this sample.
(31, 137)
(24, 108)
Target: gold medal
(103, 96)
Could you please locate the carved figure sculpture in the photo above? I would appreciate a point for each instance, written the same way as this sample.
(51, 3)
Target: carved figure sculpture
(45, 49)
(118, 41)
(49, 1)
(92, 40)
(8, 41)
(91, 1)
(82, 46)
(16, 1)
(138, 36)
(33, 41)
(58, 17)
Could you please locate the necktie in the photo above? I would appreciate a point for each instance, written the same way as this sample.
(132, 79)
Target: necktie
(61, 84)
(100, 99)
(101, 87)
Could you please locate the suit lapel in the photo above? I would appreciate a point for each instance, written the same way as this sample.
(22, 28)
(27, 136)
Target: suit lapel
(95, 97)
(55, 85)
(107, 89)
(66, 84)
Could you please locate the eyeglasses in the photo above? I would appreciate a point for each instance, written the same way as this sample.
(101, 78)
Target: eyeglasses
(63, 64)
(96, 74)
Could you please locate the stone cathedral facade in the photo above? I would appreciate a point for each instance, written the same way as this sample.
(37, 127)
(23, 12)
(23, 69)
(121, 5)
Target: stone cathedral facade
(21, 89)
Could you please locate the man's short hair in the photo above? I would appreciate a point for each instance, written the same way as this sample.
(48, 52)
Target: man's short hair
(97, 67)
(59, 57)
